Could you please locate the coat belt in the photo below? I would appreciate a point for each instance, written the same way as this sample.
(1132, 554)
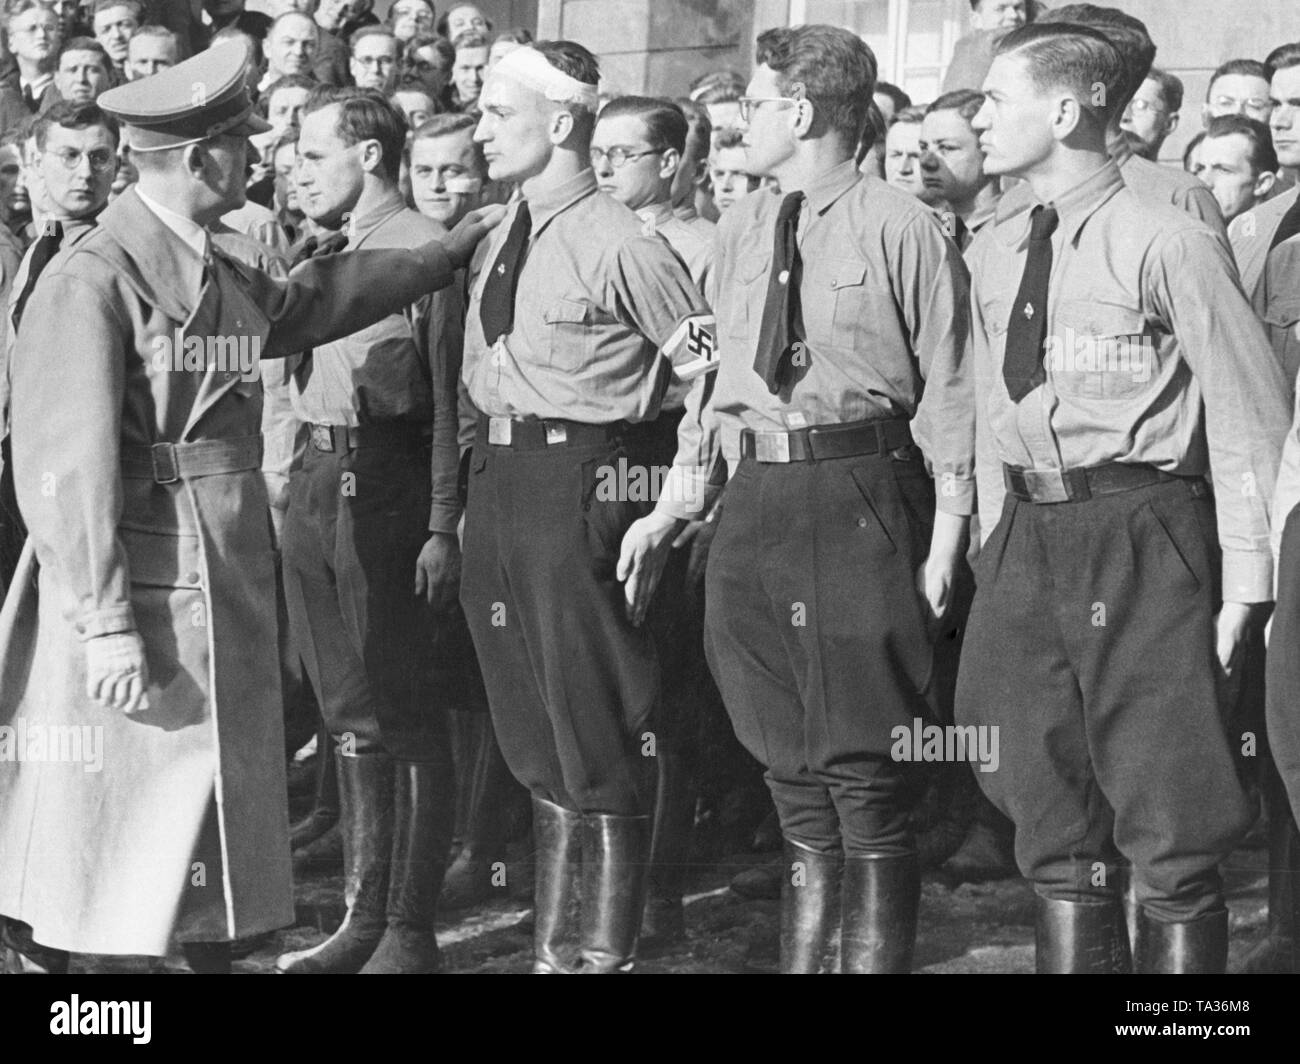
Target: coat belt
(165, 463)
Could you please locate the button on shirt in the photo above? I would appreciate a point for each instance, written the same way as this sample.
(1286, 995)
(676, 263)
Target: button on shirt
(1128, 276)
(597, 300)
(886, 319)
(402, 368)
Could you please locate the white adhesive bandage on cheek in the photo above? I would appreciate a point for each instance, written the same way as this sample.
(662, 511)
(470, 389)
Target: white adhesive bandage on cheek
(529, 68)
(463, 186)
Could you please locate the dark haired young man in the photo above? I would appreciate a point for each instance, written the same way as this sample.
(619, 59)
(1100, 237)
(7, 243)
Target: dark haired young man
(1106, 393)
(370, 548)
(842, 312)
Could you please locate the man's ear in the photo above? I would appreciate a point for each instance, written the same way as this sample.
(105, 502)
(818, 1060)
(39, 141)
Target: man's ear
(805, 115)
(1172, 122)
(669, 162)
(372, 156)
(1264, 184)
(562, 123)
(1067, 115)
(196, 160)
(701, 177)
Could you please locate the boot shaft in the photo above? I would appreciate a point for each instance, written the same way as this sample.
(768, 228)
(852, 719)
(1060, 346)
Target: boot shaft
(880, 899)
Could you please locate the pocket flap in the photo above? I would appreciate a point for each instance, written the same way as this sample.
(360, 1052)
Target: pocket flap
(566, 310)
(847, 272)
(161, 559)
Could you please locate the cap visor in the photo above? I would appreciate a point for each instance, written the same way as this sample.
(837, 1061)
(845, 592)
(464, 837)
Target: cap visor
(250, 126)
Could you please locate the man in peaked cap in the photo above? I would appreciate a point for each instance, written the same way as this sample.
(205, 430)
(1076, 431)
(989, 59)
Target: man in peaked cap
(136, 414)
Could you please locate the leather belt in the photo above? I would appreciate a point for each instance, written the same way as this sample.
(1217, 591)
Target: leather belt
(534, 434)
(1081, 484)
(166, 463)
(339, 439)
(826, 441)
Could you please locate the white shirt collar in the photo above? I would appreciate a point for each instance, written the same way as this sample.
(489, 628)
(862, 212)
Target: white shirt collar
(189, 231)
(38, 84)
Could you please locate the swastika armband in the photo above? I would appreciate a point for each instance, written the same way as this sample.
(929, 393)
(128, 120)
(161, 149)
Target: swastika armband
(693, 347)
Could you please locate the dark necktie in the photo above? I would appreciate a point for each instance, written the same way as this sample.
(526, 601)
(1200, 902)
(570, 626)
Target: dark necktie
(29, 98)
(1288, 227)
(782, 326)
(497, 307)
(45, 248)
(1022, 367)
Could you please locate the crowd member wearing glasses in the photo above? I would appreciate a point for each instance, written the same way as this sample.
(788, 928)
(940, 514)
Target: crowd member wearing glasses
(1153, 112)
(34, 41)
(1239, 87)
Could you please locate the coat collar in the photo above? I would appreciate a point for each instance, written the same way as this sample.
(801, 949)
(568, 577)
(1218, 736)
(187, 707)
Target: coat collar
(171, 273)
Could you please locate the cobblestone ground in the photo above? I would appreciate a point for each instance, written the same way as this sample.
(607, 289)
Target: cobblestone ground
(973, 928)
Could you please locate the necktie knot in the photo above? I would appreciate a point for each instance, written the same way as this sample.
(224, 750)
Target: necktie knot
(1042, 223)
(790, 207)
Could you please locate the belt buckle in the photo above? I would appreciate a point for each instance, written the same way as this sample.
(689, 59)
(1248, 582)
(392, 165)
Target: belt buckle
(166, 470)
(322, 437)
(555, 433)
(1046, 485)
(499, 431)
(772, 446)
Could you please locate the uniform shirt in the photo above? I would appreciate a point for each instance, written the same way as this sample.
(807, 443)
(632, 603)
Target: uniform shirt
(1128, 277)
(885, 309)
(687, 213)
(694, 243)
(1170, 185)
(1163, 184)
(597, 301)
(13, 284)
(1269, 278)
(694, 249)
(402, 368)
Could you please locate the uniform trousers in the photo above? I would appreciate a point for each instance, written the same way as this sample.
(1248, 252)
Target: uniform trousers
(1283, 665)
(816, 637)
(571, 683)
(357, 521)
(1091, 648)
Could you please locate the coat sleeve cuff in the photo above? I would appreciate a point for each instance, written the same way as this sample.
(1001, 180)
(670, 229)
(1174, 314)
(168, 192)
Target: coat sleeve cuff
(1247, 576)
(444, 517)
(109, 620)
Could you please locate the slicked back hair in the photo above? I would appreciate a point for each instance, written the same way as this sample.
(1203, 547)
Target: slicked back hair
(1171, 88)
(1126, 34)
(73, 116)
(966, 102)
(1074, 57)
(365, 114)
(445, 126)
(1283, 57)
(835, 67)
(1262, 157)
(1249, 68)
(665, 125)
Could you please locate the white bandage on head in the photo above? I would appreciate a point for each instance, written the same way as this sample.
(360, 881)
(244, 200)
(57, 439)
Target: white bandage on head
(529, 68)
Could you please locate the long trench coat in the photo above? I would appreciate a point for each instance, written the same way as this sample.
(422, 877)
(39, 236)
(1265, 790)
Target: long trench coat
(183, 825)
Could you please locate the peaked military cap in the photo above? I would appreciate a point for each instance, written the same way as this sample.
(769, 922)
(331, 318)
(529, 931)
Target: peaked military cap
(204, 96)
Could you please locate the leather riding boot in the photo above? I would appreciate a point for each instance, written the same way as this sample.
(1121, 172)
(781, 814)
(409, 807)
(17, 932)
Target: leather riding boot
(879, 901)
(469, 879)
(425, 811)
(366, 783)
(325, 810)
(810, 889)
(557, 836)
(615, 856)
(664, 921)
(1081, 937)
(1195, 947)
(207, 958)
(1279, 951)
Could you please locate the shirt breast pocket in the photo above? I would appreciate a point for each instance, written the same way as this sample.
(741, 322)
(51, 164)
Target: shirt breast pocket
(740, 310)
(569, 326)
(853, 300)
(1282, 319)
(1100, 350)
